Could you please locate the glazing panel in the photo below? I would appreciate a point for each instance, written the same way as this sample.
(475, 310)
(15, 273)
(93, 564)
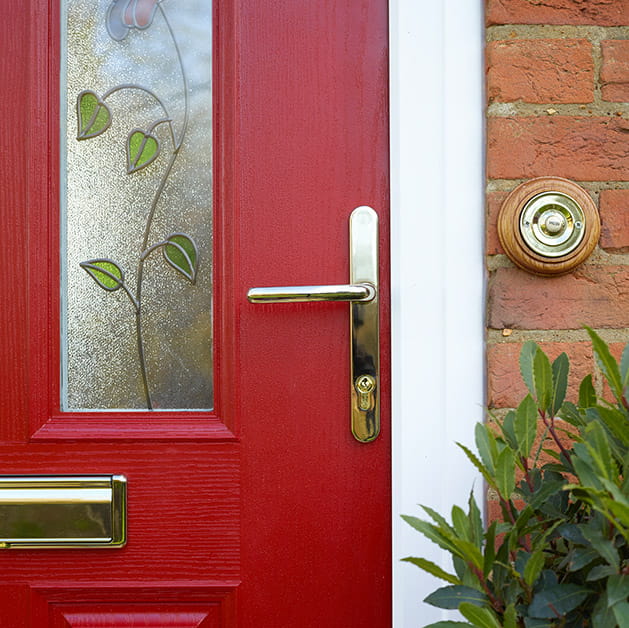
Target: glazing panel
(136, 205)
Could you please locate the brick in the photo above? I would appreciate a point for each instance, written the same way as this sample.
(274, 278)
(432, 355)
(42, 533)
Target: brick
(494, 202)
(599, 12)
(591, 295)
(506, 388)
(585, 149)
(615, 70)
(614, 208)
(540, 71)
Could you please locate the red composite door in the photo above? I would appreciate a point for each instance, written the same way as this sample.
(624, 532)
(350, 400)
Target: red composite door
(265, 512)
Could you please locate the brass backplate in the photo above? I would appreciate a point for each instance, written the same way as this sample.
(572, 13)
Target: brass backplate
(41, 512)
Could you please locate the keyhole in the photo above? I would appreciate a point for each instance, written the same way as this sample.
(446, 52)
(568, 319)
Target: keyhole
(365, 385)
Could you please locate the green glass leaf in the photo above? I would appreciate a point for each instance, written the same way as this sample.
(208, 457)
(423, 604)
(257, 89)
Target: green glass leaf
(142, 149)
(557, 601)
(180, 252)
(451, 597)
(93, 115)
(105, 273)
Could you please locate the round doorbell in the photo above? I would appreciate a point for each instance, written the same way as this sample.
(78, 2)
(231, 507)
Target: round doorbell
(548, 226)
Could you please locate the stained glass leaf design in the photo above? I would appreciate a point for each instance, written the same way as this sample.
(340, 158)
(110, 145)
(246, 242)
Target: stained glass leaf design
(142, 149)
(93, 115)
(116, 26)
(105, 273)
(180, 252)
(123, 15)
(140, 13)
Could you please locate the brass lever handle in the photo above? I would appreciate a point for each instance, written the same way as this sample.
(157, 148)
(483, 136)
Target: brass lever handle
(362, 293)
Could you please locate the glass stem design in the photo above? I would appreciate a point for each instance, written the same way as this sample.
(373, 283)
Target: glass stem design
(143, 148)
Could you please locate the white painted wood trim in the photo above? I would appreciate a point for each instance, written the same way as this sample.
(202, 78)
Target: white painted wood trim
(437, 171)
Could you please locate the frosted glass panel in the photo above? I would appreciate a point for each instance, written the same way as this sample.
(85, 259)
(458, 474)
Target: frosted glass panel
(136, 205)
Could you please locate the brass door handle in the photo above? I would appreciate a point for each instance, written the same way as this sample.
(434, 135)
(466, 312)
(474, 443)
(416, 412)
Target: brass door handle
(300, 294)
(362, 293)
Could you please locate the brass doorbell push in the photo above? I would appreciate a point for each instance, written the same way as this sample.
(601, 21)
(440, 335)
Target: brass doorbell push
(548, 226)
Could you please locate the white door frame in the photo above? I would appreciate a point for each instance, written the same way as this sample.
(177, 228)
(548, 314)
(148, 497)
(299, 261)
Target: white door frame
(437, 234)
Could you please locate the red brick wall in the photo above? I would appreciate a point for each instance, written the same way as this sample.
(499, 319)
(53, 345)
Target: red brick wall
(557, 104)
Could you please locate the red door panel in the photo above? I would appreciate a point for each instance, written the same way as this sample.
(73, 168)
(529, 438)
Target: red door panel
(265, 512)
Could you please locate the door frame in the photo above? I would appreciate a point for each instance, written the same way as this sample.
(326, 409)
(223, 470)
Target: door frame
(437, 274)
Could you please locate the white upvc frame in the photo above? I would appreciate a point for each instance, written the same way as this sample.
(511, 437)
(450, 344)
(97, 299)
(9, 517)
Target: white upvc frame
(437, 268)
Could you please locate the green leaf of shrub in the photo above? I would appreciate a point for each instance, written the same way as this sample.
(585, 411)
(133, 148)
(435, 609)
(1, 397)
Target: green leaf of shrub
(480, 617)
(432, 569)
(600, 451)
(560, 369)
(505, 473)
(525, 425)
(490, 549)
(476, 521)
(105, 273)
(534, 566)
(543, 377)
(557, 601)
(527, 355)
(180, 252)
(486, 446)
(617, 589)
(93, 115)
(602, 545)
(452, 597)
(510, 617)
(449, 624)
(624, 368)
(431, 532)
(621, 613)
(607, 364)
(602, 615)
(489, 478)
(600, 571)
(587, 394)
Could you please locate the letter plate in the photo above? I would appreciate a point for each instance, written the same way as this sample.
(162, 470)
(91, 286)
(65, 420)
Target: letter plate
(38, 511)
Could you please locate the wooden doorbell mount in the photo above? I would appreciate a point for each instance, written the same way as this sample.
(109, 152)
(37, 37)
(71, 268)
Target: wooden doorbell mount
(548, 225)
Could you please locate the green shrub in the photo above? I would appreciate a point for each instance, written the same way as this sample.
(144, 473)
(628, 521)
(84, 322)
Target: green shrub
(558, 554)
